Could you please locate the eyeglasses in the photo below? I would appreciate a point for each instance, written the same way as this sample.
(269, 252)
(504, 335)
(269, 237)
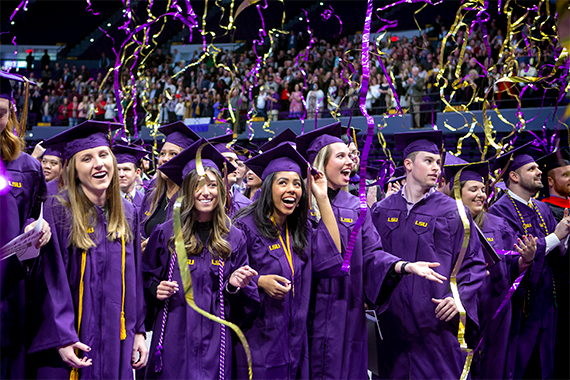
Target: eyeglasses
(354, 154)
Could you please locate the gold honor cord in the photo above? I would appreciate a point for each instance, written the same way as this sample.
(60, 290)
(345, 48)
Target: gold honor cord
(453, 279)
(187, 283)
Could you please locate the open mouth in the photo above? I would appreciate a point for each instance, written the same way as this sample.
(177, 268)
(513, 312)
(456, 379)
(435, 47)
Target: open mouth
(100, 175)
(205, 202)
(289, 202)
(346, 174)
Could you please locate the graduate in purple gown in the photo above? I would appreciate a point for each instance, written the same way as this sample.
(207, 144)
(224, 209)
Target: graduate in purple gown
(89, 303)
(128, 159)
(159, 199)
(419, 223)
(52, 166)
(286, 250)
(337, 323)
(185, 344)
(534, 305)
(495, 354)
(20, 205)
(237, 200)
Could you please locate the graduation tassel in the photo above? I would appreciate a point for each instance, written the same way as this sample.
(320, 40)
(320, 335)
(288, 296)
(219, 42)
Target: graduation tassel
(123, 328)
(74, 375)
(158, 359)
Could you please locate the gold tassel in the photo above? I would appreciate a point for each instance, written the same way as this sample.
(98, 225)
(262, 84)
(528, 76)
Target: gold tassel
(74, 375)
(123, 328)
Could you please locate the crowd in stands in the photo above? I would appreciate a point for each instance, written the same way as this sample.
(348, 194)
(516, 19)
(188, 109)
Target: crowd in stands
(278, 89)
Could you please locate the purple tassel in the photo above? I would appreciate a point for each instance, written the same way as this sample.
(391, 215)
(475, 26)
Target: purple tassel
(158, 359)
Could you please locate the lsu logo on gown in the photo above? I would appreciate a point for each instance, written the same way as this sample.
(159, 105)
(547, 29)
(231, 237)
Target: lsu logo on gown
(490, 239)
(392, 220)
(216, 262)
(527, 225)
(90, 230)
(420, 223)
(190, 261)
(346, 220)
(15, 184)
(274, 247)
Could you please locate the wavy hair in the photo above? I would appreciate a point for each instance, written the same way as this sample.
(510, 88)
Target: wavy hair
(221, 223)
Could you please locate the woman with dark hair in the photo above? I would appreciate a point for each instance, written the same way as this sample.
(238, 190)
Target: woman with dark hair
(157, 203)
(495, 358)
(286, 250)
(20, 204)
(185, 344)
(337, 322)
(89, 299)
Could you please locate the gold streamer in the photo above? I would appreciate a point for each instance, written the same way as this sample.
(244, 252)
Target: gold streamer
(187, 283)
(453, 279)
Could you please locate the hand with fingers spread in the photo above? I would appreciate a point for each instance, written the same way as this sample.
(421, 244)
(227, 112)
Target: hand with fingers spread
(139, 347)
(166, 289)
(527, 249)
(44, 237)
(242, 276)
(446, 308)
(276, 286)
(67, 354)
(424, 269)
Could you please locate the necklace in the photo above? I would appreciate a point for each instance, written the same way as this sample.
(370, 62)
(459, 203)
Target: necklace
(288, 252)
(545, 229)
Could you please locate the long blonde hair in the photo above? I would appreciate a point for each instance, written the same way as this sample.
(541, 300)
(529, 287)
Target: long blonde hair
(217, 244)
(11, 144)
(84, 214)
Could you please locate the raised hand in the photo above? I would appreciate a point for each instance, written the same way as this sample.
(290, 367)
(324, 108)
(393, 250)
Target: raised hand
(319, 185)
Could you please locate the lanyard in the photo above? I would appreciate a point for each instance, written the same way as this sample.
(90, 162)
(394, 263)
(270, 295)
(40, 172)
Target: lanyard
(286, 248)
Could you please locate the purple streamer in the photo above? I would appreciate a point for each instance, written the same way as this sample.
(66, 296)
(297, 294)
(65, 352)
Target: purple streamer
(89, 9)
(370, 121)
(222, 316)
(510, 293)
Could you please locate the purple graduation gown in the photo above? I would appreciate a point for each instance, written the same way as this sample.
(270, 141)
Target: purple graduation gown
(536, 325)
(144, 210)
(278, 336)
(239, 201)
(417, 344)
(495, 355)
(57, 298)
(192, 342)
(18, 208)
(52, 187)
(337, 322)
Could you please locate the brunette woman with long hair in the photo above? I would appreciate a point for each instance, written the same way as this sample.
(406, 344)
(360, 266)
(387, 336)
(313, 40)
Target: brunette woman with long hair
(89, 293)
(185, 344)
(286, 250)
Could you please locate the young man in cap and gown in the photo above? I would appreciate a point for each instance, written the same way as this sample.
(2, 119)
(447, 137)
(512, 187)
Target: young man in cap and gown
(128, 159)
(420, 325)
